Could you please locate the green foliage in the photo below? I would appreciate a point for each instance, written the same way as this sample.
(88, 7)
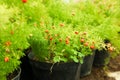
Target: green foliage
(67, 24)
(13, 34)
(62, 43)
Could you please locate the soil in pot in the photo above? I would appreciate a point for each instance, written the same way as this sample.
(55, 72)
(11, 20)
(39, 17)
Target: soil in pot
(15, 75)
(58, 71)
(101, 58)
(86, 67)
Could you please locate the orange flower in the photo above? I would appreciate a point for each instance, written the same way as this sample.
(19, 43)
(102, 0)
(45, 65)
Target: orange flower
(76, 32)
(8, 43)
(51, 38)
(46, 31)
(111, 49)
(86, 44)
(6, 59)
(92, 47)
(24, 1)
(61, 24)
(82, 40)
(67, 41)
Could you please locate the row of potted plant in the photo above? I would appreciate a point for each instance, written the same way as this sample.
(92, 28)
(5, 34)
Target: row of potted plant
(60, 34)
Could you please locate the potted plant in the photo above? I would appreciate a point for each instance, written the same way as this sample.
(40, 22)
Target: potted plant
(102, 57)
(56, 43)
(12, 43)
(11, 50)
(54, 53)
(90, 42)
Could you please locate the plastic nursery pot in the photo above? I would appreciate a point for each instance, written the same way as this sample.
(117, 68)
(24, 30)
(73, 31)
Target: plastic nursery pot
(26, 73)
(16, 75)
(86, 67)
(57, 71)
(102, 58)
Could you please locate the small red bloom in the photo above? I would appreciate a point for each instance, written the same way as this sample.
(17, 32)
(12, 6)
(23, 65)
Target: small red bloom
(76, 32)
(51, 38)
(46, 31)
(82, 40)
(61, 24)
(111, 49)
(92, 47)
(24, 1)
(86, 44)
(67, 41)
(8, 43)
(6, 59)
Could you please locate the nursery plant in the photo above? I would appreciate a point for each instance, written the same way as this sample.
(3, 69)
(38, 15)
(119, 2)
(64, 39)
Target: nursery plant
(59, 31)
(12, 40)
(61, 42)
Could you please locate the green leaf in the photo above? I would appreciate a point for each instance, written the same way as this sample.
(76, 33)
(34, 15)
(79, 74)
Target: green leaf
(74, 58)
(56, 59)
(64, 59)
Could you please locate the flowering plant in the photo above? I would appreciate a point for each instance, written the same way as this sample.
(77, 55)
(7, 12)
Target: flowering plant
(62, 43)
(12, 41)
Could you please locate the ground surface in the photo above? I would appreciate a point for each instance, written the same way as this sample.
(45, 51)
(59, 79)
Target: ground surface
(108, 73)
(98, 73)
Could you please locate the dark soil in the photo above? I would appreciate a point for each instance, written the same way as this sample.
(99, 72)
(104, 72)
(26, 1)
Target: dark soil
(114, 64)
(99, 73)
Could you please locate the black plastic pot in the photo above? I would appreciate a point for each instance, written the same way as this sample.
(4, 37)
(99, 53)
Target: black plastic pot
(102, 58)
(58, 71)
(86, 67)
(18, 75)
(26, 69)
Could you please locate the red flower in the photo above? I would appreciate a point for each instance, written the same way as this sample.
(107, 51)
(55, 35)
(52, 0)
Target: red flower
(6, 59)
(76, 32)
(51, 38)
(86, 44)
(67, 41)
(82, 40)
(8, 43)
(61, 24)
(111, 49)
(92, 47)
(24, 1)
(46, 31)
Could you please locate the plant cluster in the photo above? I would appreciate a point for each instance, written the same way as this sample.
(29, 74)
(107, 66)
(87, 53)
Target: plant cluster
(62, 43)
(58, 31)
(13, 40)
